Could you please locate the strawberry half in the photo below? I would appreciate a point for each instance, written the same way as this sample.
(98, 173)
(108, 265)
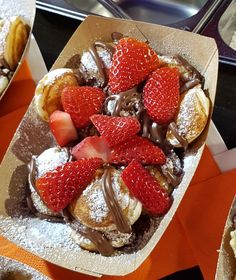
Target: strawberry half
(146, 188)
(115, 129)
(58, 187)
(81, 103)
(62, 128)
(132, 62)
(137, 148)
(161, 94)
(90, 147)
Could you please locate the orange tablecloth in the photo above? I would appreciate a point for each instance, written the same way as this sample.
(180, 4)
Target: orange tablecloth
(192, 237)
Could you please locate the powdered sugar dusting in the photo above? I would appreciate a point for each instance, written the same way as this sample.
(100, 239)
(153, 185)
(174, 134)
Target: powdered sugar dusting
(88, 61)
(4, 29)
(98, 209)
(52, 76)
(50, 159)
(23, 8)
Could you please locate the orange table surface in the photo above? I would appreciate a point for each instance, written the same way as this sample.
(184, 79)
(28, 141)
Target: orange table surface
(194, 234)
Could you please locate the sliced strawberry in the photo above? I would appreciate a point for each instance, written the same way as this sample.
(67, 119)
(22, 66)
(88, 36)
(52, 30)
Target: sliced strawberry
(62, 128)
(58, 187)
(161, 94)
(115, 129)
(90, 147)
(137, 148)
(146, 188)
(132, 62)
(81, 103)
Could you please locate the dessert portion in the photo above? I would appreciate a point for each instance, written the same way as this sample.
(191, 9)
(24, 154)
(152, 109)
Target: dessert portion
(123, 118)
(14, 34)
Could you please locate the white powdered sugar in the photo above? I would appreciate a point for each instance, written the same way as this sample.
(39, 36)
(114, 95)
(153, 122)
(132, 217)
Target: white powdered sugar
(98, 209)
(23, 8)
(52, 76)
(4, 29)
(88, 61)
(38, 203)
(50, 159)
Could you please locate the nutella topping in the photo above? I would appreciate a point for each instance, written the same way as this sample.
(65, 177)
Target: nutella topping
(102, 244)
(189, 84)
(172, 169)
(124, 103)
(116, 36)
(38, 166)
(173, 179)
(112, 203)
(32, 173)
(152, 130)
(100, 66)
(105, 46)
(174, 129)
(191, 72)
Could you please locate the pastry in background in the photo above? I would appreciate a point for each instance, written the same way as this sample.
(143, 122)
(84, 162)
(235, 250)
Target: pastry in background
(14, 33)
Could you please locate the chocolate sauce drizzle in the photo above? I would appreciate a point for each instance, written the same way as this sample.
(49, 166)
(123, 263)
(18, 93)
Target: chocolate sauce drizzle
(174, 129)
(129, 101)
(118, 217)
(152, 130)
(31, 180)
(116, 36)
(32, 173)
(171, 178)
(193, 73)
(100, 66)
(99, 63)
(100, 241)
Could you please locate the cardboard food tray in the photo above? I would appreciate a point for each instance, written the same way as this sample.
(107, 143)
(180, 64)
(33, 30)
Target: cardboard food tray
(52, 241)
(26, 10)
(226, 266)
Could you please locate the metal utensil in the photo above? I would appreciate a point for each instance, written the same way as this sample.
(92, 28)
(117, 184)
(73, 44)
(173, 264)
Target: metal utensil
(112, 7)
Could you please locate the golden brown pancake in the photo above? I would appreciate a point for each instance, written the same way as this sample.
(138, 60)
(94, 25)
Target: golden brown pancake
(192, 115)
(49, 88)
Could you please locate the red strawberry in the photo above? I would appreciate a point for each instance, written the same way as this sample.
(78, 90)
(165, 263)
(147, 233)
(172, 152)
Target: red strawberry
(146, 188)
(58, 187)
(137, 148)
(115, 129)
(90, 147)
(81, 103)
(161, 94)
(132, 62)
(62, 128)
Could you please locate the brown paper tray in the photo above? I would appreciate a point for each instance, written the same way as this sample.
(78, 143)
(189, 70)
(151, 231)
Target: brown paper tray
(52, 241)
(226, 266)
